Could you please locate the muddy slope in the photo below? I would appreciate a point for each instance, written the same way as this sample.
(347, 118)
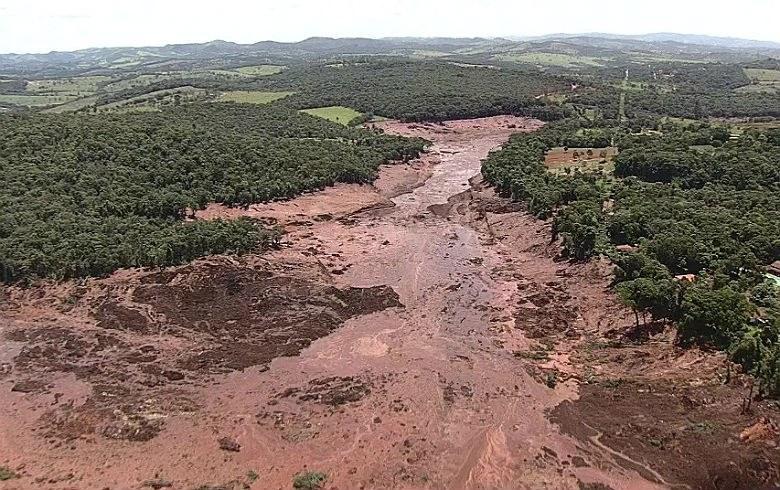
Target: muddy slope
(418, 333)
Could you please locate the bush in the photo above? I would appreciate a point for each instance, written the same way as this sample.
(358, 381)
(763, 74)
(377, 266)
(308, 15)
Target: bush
(309, 480)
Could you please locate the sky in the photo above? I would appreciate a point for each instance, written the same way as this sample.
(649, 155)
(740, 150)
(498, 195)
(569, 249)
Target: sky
(37, 26)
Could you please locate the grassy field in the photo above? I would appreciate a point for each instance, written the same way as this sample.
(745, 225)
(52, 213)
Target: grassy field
(36, 100)
(429, 54)
(138, 81)
(550, 59)
(66, 86)
(763, 76)
(762, 81)
(73, 105)
(758, 125)
(339, 114)
(148, 79)
(156, 99)
(260, 70)
(252, 97)
(758, 89)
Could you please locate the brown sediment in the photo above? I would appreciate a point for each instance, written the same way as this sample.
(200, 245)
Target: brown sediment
(418, 333)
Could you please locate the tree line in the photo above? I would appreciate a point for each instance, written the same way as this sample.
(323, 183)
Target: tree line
(87, 194)
(688, 201)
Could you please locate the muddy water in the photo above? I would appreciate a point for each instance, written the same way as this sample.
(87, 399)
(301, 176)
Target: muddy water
(431, 394)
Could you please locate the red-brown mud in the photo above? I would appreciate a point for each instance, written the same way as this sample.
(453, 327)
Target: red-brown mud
(417, 333)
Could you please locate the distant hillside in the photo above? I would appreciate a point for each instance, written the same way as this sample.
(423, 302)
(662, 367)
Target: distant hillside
(721, 42)
(560, 49)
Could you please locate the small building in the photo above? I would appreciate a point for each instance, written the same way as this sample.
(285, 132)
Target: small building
(626, 248)
(774, 268)
(685, 278)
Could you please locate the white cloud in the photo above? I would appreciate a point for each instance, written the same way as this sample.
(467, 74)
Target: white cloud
(45, 25)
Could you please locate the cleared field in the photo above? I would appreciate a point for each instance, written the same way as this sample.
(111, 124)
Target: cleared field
(252, 97)
(762, 81)
(135, 108)
(158, 98)
(761, 75)
(429, 54)
(36, 100)
(559, 159)
(759, 88)
(741, 127)
(667, 59)
(550, 59)
(151, 78)
(473, 65)
(66, 86)
(73, 106)
(138, 81)
(339, 114)
(260, 70)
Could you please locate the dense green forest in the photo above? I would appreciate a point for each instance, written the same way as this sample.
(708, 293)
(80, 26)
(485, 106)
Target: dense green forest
(689, 200)
(85, 195)
(419, 91)
(400, 89)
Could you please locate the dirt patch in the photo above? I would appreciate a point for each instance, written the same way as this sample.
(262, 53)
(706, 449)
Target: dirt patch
(558, 159)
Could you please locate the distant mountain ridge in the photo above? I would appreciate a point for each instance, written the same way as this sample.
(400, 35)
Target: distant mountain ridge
(700, 39)
(220, 52)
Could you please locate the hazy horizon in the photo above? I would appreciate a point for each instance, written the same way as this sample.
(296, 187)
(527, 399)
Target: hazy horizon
(82, 24)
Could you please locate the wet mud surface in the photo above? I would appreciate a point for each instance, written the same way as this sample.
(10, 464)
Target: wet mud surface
(417, 333)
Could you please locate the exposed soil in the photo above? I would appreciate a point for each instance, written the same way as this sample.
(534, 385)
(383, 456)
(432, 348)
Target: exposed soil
(417, 333)
(565, 157)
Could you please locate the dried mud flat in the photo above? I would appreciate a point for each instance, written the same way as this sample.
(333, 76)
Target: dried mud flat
(418, 333)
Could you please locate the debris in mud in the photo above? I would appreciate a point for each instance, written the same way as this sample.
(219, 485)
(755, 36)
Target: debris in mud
(7, 473)
(182, 323)
(333, 391)
(451, 391)
(228, 444)
(29, 386)
(763, 430)
(136, 428)
(545, 312)
(157, 484)
(233, 485)
(309, 480)
(238, 316)
(659, 424)
(115, 413)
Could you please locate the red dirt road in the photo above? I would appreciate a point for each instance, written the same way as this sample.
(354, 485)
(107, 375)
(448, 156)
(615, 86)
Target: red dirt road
(418, 333)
